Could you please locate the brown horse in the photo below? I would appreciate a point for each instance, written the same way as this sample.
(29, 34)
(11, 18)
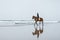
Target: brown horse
(36, 19)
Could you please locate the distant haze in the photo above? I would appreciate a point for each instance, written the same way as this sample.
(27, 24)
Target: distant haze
(25, 9)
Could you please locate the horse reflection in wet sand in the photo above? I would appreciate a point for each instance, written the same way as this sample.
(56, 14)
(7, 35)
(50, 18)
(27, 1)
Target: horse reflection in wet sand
(40, 20)
(37, 32)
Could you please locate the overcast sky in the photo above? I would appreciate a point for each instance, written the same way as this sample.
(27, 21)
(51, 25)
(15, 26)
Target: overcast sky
(25, 9)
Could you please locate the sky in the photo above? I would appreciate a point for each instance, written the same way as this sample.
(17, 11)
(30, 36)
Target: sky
(25, 9)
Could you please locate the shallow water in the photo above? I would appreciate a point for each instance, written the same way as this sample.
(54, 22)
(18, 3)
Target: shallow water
(24, 32)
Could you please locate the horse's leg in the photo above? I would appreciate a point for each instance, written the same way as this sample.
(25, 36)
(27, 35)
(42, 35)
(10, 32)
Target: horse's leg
(35, 25)
(42, 25)
(39, 25)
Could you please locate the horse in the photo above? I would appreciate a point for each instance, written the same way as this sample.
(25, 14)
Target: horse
(36, 19)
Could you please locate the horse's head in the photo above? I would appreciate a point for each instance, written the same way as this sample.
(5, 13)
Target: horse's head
(33, 17)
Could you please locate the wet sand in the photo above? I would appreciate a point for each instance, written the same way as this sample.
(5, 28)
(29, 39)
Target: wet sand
(24, 32)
